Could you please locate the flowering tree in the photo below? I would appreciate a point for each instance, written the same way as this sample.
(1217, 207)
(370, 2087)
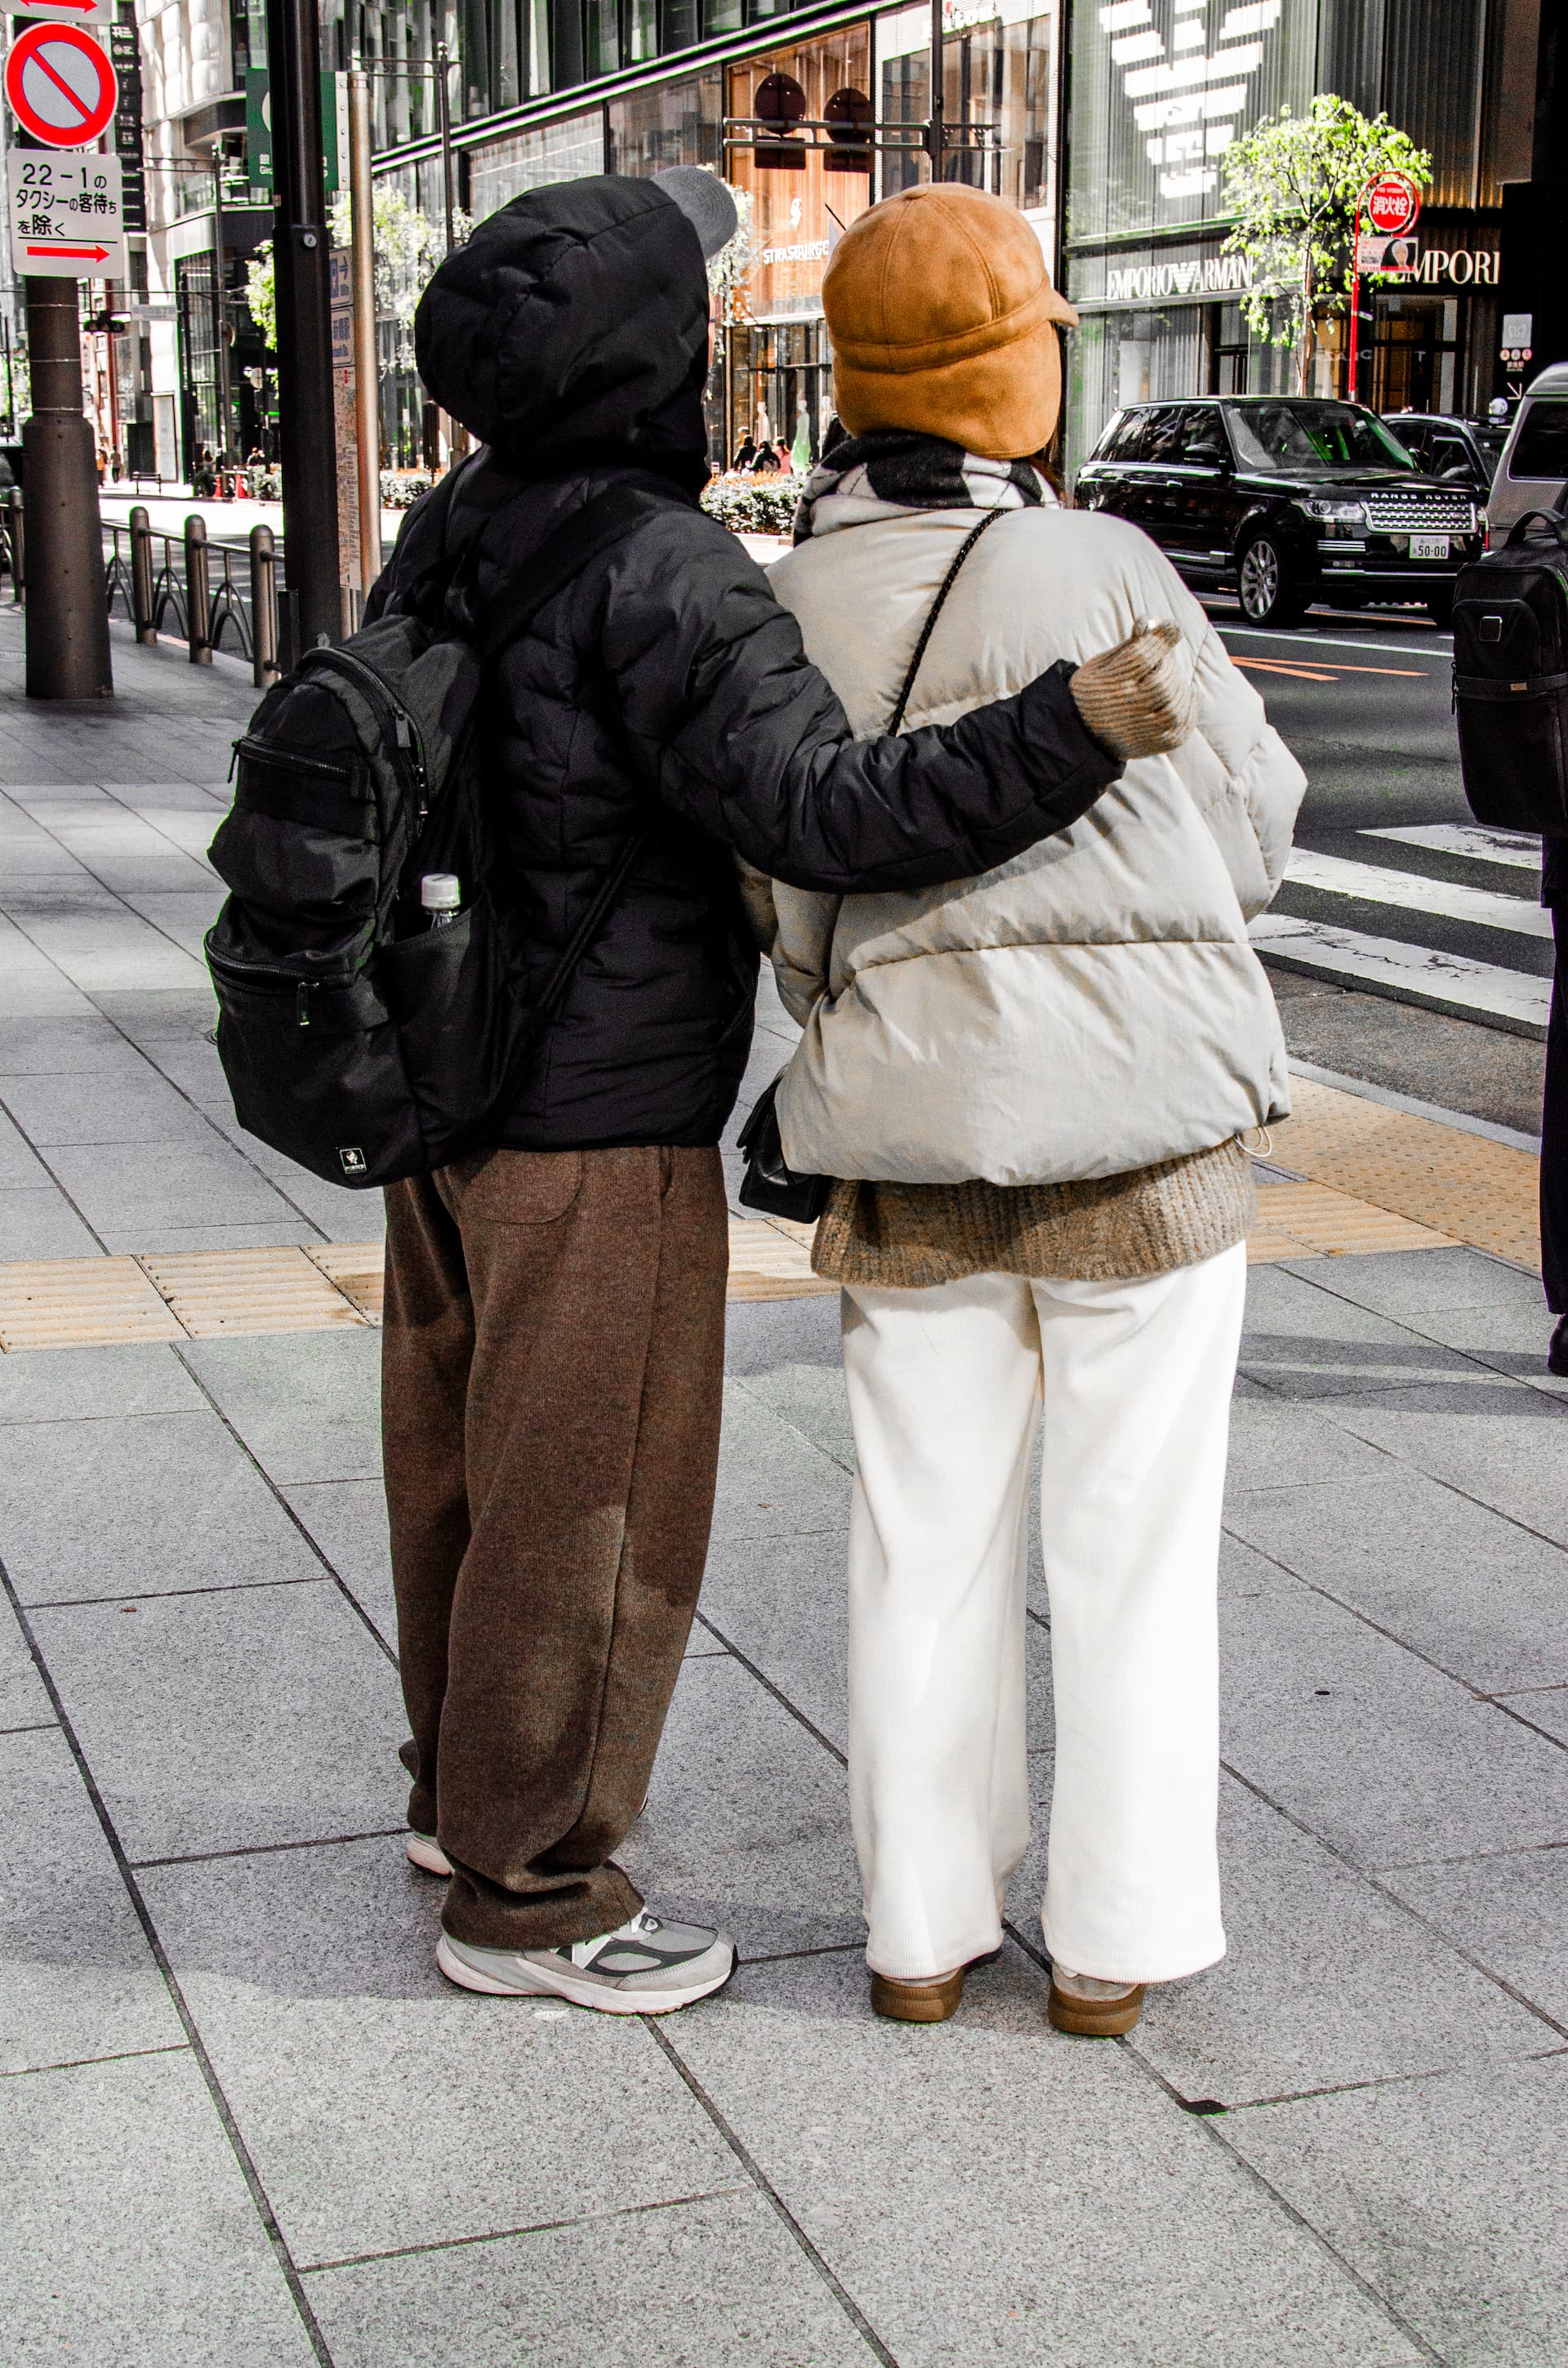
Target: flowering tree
(1293, 184)
(408, 247)
(730, 271)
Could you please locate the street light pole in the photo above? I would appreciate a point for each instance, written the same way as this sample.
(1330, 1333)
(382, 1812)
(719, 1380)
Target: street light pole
(936, 128)
(221, 385)
(366, 360)
(312, 604)
(67, 614)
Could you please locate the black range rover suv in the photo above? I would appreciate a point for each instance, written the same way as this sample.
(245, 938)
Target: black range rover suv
(1286, 498)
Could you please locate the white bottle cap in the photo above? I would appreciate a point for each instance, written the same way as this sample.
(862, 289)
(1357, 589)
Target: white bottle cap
(440, 891)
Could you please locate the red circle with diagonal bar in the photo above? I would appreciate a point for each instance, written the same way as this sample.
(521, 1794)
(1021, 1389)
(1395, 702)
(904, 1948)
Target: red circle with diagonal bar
(60, 85)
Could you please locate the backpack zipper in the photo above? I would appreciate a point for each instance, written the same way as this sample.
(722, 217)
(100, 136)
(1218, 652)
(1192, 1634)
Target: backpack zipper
(404, 731)
(254, 752)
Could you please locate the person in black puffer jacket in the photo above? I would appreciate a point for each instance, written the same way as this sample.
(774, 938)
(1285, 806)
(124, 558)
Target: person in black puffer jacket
(553, 1342)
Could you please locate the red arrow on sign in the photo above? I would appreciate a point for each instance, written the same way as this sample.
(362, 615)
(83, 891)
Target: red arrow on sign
(97, 254)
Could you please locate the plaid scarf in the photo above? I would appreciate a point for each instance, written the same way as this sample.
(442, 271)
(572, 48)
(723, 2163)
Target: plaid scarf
(895, 470)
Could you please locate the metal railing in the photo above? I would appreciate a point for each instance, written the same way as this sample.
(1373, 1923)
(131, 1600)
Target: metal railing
(152, 591)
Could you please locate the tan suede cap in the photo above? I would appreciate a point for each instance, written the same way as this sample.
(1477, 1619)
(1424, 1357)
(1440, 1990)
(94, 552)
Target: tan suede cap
(943, 318)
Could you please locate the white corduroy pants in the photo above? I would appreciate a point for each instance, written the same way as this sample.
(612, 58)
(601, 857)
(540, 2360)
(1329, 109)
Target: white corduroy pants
(946, 1387)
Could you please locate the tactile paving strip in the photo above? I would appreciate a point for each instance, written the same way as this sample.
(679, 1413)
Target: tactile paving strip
(212, 1292)
(1312, 1221)
(81, 1303)
(1465, 1186)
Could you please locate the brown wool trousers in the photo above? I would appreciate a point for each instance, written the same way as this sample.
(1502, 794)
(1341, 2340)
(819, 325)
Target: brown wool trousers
(551, 1375)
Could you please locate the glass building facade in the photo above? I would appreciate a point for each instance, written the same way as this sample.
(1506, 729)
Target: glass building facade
(634, 85)
(1158, 96)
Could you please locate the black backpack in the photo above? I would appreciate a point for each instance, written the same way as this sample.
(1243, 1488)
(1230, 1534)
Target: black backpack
(356, 1037)
(1511, 677)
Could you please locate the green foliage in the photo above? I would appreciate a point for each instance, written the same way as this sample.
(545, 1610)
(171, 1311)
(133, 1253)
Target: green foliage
(752, 505)
(1292, 184)
(408, 247)
(261, 294)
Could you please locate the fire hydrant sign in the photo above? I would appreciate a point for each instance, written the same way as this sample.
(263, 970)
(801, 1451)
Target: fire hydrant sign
(65, 215)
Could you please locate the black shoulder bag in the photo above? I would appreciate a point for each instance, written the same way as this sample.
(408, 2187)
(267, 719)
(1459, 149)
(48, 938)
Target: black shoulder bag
(769, 1183)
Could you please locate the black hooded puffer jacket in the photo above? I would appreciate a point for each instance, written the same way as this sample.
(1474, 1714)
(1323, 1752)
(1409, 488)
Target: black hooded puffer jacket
(665, 686)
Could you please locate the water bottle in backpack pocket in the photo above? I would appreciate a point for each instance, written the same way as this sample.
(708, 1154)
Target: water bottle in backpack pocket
(1511, 677)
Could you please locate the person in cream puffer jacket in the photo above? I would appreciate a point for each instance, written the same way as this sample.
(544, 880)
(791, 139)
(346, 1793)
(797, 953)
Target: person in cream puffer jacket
(1032, 1086)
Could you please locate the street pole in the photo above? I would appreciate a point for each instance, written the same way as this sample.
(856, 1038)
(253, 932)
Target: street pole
(366, 360)
(67, 614)
(456, 433)
(219, 306)
(112, 372)
(312, 606)
(1355, 301)
(936, 130)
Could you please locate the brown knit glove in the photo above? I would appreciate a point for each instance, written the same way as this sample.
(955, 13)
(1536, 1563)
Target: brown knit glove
(1140, 698)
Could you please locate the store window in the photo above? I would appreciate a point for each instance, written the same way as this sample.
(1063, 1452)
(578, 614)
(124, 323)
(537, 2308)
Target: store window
(1415, 355)
(1001, 73)
(534, 160)
(678, 124)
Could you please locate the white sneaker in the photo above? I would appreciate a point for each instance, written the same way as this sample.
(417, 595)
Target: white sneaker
(425, 1852)
(646, 1966)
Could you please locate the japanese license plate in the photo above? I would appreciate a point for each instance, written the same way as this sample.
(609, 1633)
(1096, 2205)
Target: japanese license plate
(1428, 546)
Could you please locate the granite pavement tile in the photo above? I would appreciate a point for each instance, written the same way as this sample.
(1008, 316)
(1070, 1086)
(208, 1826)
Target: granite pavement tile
(1381, 1755)
(1305, 1342)
(1544, 1706)
(77, 1041)
(1471, 1590)
(263, 1715)
(306, 1403)
(1281, 1443)
(131, 2240)
(111, 1111)
(1493, 1438)
(1327, 1981)
(747, 1822)
(139, 1505)
(24, 1700)
(1008, 2195)
(1407, 1283)
(202, 1182)
(1449, 2196)
(772, 1479)
(381, 2106)
(811, 1399)
(1509, 1910)
(19, 1164)
(347, 1519)
(77, 1979)
(39, 1223)
(288, 1231)
(762, 1335)
(132, 1377)
(700, 2283)
(155, 1016)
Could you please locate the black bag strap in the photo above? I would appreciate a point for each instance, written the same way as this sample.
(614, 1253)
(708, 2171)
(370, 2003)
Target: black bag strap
(606, 895)
(1552, 518)
(949, 580)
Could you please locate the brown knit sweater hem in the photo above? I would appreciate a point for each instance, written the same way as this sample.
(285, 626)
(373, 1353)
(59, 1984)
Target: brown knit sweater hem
(1100, 1229)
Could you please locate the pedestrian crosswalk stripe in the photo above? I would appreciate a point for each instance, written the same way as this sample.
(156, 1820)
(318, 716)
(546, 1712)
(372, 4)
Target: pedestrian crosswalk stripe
(1469, 840)
(1497, 997)
(1453, 900)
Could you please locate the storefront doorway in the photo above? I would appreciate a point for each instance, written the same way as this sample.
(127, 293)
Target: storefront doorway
(781, 386)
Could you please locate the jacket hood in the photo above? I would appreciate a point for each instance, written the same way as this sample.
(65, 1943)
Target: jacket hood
(573, 328)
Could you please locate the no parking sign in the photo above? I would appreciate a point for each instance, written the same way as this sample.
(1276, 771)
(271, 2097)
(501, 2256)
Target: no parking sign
(60, 85)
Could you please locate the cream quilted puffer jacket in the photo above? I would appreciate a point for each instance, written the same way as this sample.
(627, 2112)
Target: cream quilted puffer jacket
(1092, 1005)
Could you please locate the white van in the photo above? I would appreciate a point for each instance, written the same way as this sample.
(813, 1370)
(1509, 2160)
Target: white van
(1533, 473)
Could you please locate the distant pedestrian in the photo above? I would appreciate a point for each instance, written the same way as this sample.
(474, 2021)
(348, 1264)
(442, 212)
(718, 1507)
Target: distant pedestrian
(554, 1345)
(745, 454)
(767, 464)
(1036, 1087)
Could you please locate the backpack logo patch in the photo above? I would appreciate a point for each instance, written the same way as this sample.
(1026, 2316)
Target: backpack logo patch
(351, 1159)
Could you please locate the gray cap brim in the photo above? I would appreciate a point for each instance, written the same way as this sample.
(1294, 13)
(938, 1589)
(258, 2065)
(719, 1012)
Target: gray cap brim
(706, 202)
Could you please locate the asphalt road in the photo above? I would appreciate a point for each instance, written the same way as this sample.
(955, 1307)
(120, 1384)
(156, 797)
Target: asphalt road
(1364, 701)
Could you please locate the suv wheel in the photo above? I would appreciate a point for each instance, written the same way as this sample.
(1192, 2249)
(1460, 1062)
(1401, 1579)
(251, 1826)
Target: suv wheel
(1268, 595)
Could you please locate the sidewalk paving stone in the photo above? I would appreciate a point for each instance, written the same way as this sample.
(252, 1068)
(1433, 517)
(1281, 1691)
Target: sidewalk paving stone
(95, 1385)
(1385, 1757)
(252, 1716)
(747, 1824)
(710, 2281)
(381, 2106)
(1307, 1343)
(120, 1111)
(77, 1979)
(307, 1404)
(1509, 1910)
(150, 1190)
(347, 1519)
(131, 2234)
(1494, 1438)
(78, 1043)
(1472, 1591)
(772, 1479)
(39, 1223)
(190, 1509)
(1450, 2195)
(1059, 2191)
(20, 1166)
(24, 1700)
